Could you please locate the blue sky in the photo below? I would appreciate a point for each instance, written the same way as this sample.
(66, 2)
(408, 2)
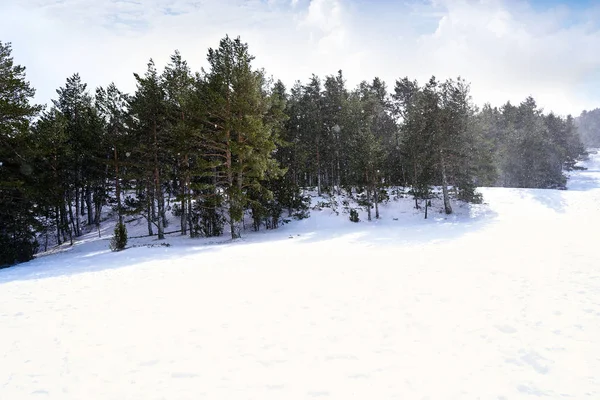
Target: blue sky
(507, 49)
(574, 4)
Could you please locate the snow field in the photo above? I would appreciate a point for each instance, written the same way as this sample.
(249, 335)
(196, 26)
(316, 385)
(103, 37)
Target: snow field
(501, 301)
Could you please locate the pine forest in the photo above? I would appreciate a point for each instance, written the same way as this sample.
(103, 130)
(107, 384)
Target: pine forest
(230, 149)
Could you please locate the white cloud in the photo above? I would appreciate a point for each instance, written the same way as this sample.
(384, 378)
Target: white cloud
(506, 49)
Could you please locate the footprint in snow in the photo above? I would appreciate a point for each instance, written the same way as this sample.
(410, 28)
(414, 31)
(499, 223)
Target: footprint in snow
(536, 361)
(506, 329)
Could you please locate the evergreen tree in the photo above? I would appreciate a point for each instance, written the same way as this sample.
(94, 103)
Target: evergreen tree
(112, 105)
(179, 85)
(228, 141)
(366, 150)
(148, 108)
(241, 139)
(119, 239)
(17, 203)
(83, 132)
(313, 130)
(335, 97)
(588, 126)
(52, 149)
(416, 109)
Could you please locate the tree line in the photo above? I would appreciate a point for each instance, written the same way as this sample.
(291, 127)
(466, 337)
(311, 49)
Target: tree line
(588, 124)
(216, 145)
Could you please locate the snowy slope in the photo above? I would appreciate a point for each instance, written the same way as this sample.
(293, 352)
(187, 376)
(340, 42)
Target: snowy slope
(501, 301)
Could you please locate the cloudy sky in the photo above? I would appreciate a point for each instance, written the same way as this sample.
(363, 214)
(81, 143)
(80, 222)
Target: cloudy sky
(507, 49)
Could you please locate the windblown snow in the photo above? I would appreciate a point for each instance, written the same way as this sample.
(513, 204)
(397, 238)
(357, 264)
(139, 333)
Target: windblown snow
(500, 301)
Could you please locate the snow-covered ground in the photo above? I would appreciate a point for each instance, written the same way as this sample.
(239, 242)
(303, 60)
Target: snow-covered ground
(501, 301)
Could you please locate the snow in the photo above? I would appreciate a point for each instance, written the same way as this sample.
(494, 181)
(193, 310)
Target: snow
(501, 301)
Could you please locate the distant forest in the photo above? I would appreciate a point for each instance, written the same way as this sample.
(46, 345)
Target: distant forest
(588, 125)
(214, 146)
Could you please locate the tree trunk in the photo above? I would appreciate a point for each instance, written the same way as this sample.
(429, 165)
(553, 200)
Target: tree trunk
(447, 206)
(98, 205)
(58, 226)
(149, 207)
(72, 228)
(88, 201)
(368, 189)
(232, 224)
(82, 202)
(118, 187)
(163, 209)
(153, 202)
(232, 197)
(318, 169)
(338, 180)
(157, 187)
(183, 219)
(64, 222)
(74, 221)
(183, 182)
(376, 196)
(240, 185)
(77, 215)
(414, 185)
(189, 200)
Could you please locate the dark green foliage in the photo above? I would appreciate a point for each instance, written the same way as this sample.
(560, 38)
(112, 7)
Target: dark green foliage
(301, 207)
(119, 239)
(206, 215)
(354, 215)
(244, 128)
(18, 183)
(382, 195)
(150, 125)
(439, 138)
(530, 149)
(469, 194)
(214, 147)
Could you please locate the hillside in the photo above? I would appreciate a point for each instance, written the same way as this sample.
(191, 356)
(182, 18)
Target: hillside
(500, 301)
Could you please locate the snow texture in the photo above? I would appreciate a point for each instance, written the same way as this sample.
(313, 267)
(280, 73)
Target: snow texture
(501, 301)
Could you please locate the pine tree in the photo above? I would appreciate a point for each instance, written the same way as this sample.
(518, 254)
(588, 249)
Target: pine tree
(148, 107)
(417, 110)
(119, 240)
(75, 104)
(112, 105)
(488, 133)
(52, 149)
(588, 126)
(290, 153)
(366, 151)
(17, 203)
(335, 97)
(313, 130)
(179, 85)
(459, 141)
(241, 139)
